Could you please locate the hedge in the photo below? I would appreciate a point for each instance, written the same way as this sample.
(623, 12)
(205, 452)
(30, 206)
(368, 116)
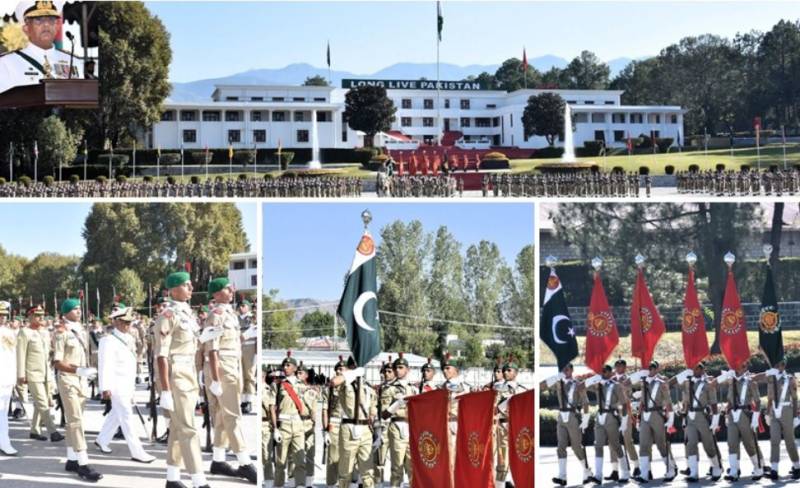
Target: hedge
(196, 156)
(548, 152)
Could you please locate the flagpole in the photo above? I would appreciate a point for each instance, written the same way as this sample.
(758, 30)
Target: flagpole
(133, 173)
(438, 91)
(11, 162)
(783, 143)
(85, 157)
(181, 162)
(35, 161)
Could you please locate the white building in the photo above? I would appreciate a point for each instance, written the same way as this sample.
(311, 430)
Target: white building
(243, 271)
(248, 116)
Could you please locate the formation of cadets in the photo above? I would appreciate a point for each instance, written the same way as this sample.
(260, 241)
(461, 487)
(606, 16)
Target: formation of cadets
(577, 184)
(775, 182)
(310, 186)
(704, 405)
(419, 186)
(58, 362)
(363, 426)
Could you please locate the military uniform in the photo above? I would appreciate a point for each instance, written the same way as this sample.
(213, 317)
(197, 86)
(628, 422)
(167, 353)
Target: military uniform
(624, 382)
(611, 418)
(455, 388)
(700, 400)
(310, 400)
(176, 342)
(782, 409)
(655, 410)
(358, 406)
(572, 402)
(744, 402)
(248, 362)
(505, 391)
(290, 431)
(8, 376)
(384, 402)
(267, 458)
(398, 435)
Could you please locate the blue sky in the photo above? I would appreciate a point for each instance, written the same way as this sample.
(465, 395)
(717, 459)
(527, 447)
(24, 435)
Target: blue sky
(308, 247)
(213, 39)
(34, 228)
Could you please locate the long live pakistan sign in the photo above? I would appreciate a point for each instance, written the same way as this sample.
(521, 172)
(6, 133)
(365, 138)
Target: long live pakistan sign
(414, 84)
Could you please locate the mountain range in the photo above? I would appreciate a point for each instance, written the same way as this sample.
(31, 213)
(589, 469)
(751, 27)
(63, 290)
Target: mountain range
(296, 74)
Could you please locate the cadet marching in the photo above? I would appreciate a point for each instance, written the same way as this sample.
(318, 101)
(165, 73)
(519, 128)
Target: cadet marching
(773, 182)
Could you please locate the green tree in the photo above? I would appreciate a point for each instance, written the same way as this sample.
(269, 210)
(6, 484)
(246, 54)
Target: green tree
(281, 331)
(521, 310)
(487, 80)
(57, 145)
(778, 58)
(135, 55)
(48, 274)
(129, 287)
(585, 72)
(510, 76)
(317, 323)
(316, 80)
(370, 110)
(445, 287)
(11, 270)
(544, 116)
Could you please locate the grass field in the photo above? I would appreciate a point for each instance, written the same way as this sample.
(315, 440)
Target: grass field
(669, 347)
(770, 155)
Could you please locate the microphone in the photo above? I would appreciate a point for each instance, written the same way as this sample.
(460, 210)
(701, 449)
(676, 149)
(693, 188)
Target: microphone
(71, 38)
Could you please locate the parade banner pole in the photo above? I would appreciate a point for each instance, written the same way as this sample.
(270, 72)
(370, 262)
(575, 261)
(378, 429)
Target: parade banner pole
(133, 173)
(255, 160)
(35, 161)
(11, 162)
(182, 162)
(111, 159)
(783, 143)
(85, 157)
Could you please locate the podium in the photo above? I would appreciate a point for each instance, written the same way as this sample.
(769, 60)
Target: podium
(73, 94)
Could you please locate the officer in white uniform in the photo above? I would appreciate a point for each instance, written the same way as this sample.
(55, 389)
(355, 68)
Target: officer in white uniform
(8, 346)
(39, 59)
(117, 371)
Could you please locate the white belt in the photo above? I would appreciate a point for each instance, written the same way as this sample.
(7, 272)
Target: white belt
(334, 421)
(288, 417)
(230, 354)
(182, 358)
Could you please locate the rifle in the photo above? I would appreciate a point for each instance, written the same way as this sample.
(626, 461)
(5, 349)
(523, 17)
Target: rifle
(152, 402)
(141, 417)
(206, 418)
(328, 426)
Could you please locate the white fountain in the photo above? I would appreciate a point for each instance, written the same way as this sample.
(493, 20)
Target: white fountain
(314, 163)
(569, 145)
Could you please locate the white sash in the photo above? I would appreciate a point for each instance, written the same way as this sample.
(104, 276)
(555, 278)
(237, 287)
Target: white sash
(602, 416)
(695, 402)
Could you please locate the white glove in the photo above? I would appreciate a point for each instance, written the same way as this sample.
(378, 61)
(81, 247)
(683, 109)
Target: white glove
(670, 420)
(585, 422)
(637, 376)
(166, 401)
(210, 333)
(754, 421)
(276, 436)
(683, 376)
(554, 379)
(89, 373)
(714, 422)
(624, 425)
(594, 380)
(351, 374)
(215, 388)
(251, 332)
(773, 372)
(395, 405)
(768, 419)
(326, 438)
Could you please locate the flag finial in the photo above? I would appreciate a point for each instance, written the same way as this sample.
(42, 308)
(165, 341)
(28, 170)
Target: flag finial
(691, 258)
(639, 260)
(729, 258)
(551, 261)
(767, 251)
(597, 263)
(366, 217)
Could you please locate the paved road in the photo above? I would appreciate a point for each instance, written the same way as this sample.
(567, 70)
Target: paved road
(41, 464)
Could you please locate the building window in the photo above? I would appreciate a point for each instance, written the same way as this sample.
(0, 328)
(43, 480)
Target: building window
(232, 99)
(253, 264)
(511, 120)
(588, 102)
(405, 121)
(619, 135)
(464, 121)
(319, 99)
(655, 118)
(234, 136)
(188, 116)
(427, 104)
(279, 116)
(609, 102)
(344, 135)
(168, 116)
(324, 117)
(237, 265)
(656, 133)
(673, 119)
(405, 103)
(491, 105)
(189, 135)
(298, 99)
(260, 135)
(299, 116)
(464, 104)
(277, 99)
(483, 122)
(598, 118)
(580, 118)
(254, 280)
(256, 99)
(636, 118)
(600, 135)
(232, 116)
(571, 102)
(302, 135)
(211, 116)
(255, 116)
(427, 122)
(618, 118)
(446, 103)
(496, 122)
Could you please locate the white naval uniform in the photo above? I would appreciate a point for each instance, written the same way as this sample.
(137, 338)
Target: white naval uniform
(15, 70)
(117, 374)
(8, 378)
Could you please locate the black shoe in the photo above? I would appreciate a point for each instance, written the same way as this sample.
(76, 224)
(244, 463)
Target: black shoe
(640, 480)
(796, 473)
(164, 438)
(592, 479)
(56, 437)
(37, 437)
(730, 477)
(87, 473)
(623, 482)
(71, 466)
(636, 472)
(508, 485)
(559, 481)
(248, 472)
(691, 479)
(118, 435)
(773, 475)
(685, 472)
(614, 476)
(175, 484)
(246, 408)
(18, 413)
(716, 478)
(223, 468)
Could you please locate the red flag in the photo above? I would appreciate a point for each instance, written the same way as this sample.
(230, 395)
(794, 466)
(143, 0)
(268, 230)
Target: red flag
(693, 327)
(732, 327)
(187, 266)
(601, 329)
(520, 439)
(646, 324)
(430, 458)
(629, 144)
(474, 461)
(524, 61)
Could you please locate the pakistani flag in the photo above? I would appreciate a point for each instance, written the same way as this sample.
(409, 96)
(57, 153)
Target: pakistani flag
(770, 336)
(358, 308)
(555, 327)
(439, 20)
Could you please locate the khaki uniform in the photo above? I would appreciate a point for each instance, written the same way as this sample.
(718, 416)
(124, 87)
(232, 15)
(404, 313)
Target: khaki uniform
(248, 359)
(399, 451)
(225, 409)
(292, 429)
(699, 398)
(611, 404)
(652, 428)
(71, 348)
(330, 401)
(782, 401)
(267, 458)
(310, 400)
(627, 436)
(742, 395)
(33, 363)
(384, 401)
(572, 399)
(176, 339)
(510, 389)
(355, 437)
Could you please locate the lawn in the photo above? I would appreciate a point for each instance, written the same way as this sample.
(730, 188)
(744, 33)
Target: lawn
(770, 155)
(669, 348)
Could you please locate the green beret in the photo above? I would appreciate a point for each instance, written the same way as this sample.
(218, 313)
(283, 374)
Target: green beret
(510, 365)
(177, 279)
(69, 305)
(245, 302)
(217, 284)
(289, 359)
(400, 361)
